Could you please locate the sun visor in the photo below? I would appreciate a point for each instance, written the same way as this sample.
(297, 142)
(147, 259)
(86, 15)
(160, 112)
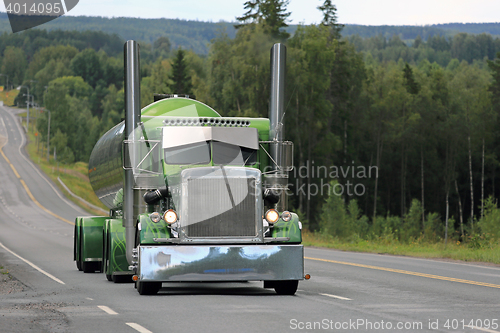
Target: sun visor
(239, 136)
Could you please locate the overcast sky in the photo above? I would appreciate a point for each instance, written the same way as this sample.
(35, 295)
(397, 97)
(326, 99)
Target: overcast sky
(366, 12)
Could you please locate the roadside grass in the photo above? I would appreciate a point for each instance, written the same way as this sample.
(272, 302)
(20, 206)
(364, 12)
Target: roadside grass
(488, 252)
(74, 176)
(8, 96)
(2, 271)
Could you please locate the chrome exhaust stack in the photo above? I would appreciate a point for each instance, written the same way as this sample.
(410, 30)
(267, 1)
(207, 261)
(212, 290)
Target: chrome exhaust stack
(132, 119)
(280, 151)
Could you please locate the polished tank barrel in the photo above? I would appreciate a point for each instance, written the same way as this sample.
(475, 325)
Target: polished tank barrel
(106, 168)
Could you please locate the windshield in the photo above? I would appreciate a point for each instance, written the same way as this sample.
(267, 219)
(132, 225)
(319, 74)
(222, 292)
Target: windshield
(196, 153)
(224, 153)
(200, 153)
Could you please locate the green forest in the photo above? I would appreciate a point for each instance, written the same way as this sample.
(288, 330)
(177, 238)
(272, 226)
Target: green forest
(393, 138)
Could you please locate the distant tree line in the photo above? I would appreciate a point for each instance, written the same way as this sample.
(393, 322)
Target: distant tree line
(192, 35)
(439, 49)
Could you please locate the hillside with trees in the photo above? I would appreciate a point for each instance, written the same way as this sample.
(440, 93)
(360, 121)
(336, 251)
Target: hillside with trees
(192, 35)
(392, 139)
(197, 35)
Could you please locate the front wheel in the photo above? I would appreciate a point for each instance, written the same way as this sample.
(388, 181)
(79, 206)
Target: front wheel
(286, 287)
(122, 278)
(148, 288)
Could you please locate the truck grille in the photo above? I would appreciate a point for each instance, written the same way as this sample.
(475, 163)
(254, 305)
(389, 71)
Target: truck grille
(220, 202)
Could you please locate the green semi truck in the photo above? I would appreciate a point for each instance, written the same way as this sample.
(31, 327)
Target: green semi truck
(192, 196)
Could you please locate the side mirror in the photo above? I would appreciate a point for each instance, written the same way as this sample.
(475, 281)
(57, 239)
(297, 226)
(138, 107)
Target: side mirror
(287, 156)
(126, 158)
(284, 151)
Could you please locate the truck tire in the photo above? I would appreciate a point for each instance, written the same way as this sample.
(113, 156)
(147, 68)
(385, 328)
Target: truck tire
(148, 288)
(91, 267)
(286, 287)
(76, 244)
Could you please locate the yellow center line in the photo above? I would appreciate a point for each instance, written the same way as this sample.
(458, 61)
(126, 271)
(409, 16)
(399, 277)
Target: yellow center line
(30, 194)
(8, 161)
(400, 271)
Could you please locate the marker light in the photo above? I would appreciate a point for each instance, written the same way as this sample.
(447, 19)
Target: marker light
(272, 216)
(170, 216)
(155, 217)
(286, 216)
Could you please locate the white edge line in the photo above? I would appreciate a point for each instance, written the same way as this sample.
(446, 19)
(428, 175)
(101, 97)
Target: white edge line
(33, 265)
(338, 297)
(138, 328)
(81, 199)
(6, 132)
(481, 329)
(4, 126)
(107, 309)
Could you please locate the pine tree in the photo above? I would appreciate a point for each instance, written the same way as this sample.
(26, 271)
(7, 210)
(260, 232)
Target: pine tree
(181, 80)
(409, 81)
(251, 15)
(271, 14)
(330, 17)
(274, 17)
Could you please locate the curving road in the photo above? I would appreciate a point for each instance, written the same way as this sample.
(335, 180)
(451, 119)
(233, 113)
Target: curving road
(348, 292)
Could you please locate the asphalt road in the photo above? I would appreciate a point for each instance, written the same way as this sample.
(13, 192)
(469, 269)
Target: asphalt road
(348, 292)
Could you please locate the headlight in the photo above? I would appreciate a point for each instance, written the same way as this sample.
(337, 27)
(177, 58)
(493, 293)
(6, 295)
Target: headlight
(272, 216)
(286, 216)
(170, 216)
(155, 217)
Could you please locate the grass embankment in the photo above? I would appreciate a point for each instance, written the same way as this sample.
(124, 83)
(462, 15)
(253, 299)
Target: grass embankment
(8, 96)
(73, 175)
(488, 252)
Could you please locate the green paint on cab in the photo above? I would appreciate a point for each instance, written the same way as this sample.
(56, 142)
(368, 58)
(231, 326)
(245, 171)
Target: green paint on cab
(150, 230)
(288, 229)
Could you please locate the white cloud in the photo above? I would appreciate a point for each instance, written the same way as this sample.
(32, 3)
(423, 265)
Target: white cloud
(404, 12)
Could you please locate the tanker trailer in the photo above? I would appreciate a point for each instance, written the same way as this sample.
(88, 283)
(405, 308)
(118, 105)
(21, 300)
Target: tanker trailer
(192, 196)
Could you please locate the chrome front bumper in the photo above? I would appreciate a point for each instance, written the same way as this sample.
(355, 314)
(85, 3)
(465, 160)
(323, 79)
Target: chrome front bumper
(221, 263)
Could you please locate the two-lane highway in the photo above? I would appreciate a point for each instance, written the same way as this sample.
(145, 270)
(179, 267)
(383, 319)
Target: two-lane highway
(347, 292)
